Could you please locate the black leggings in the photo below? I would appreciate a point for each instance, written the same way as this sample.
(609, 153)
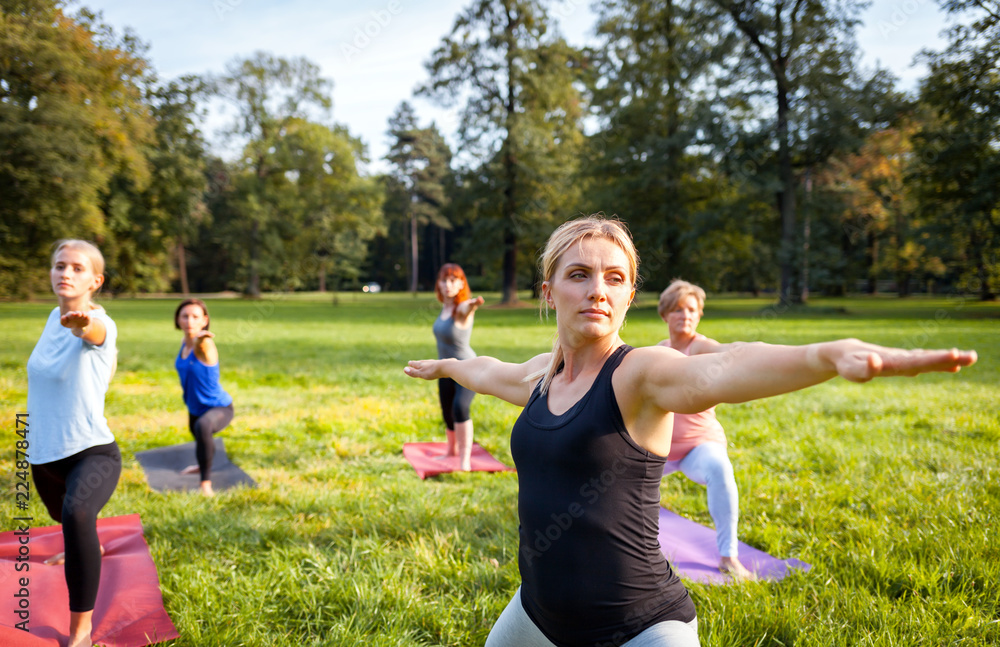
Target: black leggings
(455, 401)
(203, 427)
(74, 489)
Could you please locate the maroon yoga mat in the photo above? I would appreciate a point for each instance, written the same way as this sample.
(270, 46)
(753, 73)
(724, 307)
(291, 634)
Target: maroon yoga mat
(429, 459)
(690, 547)
(129, 610)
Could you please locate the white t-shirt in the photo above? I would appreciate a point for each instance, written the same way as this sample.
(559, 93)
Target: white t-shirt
(67, 381)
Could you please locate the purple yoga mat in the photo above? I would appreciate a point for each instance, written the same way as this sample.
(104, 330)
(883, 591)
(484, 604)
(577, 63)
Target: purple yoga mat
(690, 548)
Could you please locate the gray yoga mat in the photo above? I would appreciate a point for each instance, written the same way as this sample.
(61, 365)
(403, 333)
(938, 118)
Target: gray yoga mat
(163, 467)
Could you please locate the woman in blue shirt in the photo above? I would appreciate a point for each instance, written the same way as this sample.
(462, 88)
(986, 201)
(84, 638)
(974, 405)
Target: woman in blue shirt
(210, 408)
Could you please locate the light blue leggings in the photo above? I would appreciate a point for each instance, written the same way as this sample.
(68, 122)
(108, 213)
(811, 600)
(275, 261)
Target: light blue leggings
(708, 464)
(515, 629)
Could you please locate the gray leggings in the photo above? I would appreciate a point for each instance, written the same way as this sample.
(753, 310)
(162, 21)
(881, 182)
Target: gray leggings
(515, 629)
(203, 428)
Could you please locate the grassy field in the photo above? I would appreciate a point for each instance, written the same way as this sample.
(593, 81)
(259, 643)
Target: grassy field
(891, 490)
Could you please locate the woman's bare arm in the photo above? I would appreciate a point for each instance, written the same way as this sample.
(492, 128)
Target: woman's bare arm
(485, 375)
(205, 349)
(83, 325)
(466, 309)
(748, 371)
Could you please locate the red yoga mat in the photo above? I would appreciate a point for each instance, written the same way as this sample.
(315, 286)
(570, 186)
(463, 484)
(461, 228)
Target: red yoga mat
(690, 547)
(129, 610)
(429, 459)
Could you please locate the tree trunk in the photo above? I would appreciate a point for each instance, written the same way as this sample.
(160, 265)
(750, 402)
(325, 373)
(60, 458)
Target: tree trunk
(442, 255)
(872, 262)
(805, 239)
(182, 267)
(413, 252)
(786, 198)
(253, 287)
(902, 276)
(985, 292)
(509, 267)
(510, 176)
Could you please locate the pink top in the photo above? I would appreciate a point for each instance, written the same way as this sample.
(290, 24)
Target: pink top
(693, 429)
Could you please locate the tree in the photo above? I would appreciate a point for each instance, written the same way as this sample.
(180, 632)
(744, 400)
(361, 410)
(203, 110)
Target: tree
(783, 42)
(521, 113)
(179, 164)
(72, 118)
(959, 177)
(422, 164)
(149, 224)
(336, 208)
(652, 80)
(268, 92)
(879, 206)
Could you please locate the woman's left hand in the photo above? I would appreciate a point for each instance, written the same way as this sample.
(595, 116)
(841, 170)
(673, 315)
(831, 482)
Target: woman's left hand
(76, 320)
(858, 361)
(82, 325)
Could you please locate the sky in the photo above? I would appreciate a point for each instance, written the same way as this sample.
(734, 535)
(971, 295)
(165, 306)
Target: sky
(374, 50)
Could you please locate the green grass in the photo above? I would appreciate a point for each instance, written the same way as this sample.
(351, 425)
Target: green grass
(891, 490)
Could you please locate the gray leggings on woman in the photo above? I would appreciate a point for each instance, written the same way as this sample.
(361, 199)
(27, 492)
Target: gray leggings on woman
(515, 629)
(203, 428)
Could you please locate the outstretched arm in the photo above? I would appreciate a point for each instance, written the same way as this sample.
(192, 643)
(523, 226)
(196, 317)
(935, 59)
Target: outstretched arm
(467, 308)
(485, 375)
(205, 349)
(748, 371)
(81, 324)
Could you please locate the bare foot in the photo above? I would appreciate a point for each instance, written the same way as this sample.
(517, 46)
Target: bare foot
(731, 566)
(466, 466)
(60, 558)
(190, 469)
(206, 488)
(80, 626)
(56, 560)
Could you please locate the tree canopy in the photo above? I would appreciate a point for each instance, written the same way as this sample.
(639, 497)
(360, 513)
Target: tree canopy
(746, 144)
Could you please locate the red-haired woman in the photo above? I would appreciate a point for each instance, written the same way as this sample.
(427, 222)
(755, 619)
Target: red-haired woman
(452, 330)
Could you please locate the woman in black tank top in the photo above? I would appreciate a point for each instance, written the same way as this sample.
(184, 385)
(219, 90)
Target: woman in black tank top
(591, 442)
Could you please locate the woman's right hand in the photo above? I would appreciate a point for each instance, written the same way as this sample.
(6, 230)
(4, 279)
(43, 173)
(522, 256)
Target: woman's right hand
(425, 369)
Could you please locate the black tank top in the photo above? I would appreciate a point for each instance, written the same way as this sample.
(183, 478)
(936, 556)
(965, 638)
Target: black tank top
(588, 502)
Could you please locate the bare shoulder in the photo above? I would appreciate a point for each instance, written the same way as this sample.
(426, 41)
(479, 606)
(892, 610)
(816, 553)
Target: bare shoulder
(206, 344)
(206, 351)
(702, 345)
(537, 363)
(652, 353)
(646, 365)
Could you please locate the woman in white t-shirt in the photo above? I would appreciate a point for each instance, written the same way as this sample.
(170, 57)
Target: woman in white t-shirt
(75, 462)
